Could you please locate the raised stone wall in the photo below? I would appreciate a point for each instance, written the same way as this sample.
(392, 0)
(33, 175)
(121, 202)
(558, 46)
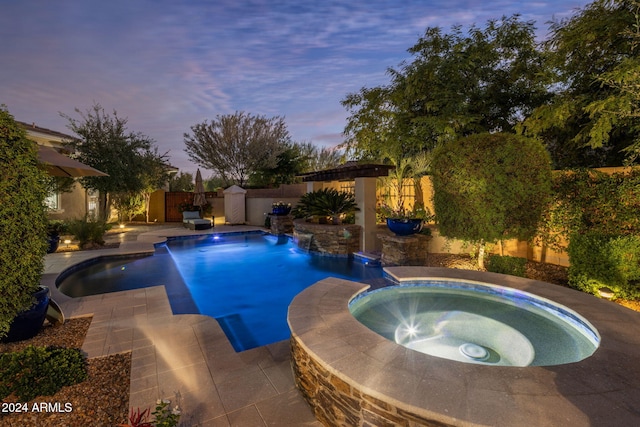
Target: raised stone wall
(281, 224)
(404, 250)
(327, 238)
(335, 402)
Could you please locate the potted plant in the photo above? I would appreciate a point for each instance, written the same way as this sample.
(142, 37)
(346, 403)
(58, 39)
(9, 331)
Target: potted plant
(327, 203)
(402, 221)
(55, 228)
(23, 225)
(280, 208)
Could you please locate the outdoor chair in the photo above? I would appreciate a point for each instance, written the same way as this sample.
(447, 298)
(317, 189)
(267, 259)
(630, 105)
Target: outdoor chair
(192, 221)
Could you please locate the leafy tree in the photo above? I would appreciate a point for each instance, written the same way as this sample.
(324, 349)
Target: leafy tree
(104, 143)
(319, 158)
(23, 220)
(289, 163)
(621, 108)
(152, 176)
(589, 53)
(182, 182)
(235, 146)
(213, 183)
(128, 205)
(458, 84)
(490, 187)
(295, 159)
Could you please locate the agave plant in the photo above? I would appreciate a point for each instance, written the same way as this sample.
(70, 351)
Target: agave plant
(324, 203)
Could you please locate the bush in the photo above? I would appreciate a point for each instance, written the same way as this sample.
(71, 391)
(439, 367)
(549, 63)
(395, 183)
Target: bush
(40, 371)
(326, 203)
(604, 261)
(88, 231)
(56, 227)
(514, 266)
(23, 220)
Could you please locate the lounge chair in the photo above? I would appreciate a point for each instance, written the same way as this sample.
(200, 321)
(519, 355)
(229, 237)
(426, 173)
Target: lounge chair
(192, 221)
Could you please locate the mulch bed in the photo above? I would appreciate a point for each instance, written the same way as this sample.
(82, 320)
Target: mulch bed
(101, 400)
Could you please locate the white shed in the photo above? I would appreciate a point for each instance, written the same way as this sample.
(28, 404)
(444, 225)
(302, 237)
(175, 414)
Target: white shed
(234, 205)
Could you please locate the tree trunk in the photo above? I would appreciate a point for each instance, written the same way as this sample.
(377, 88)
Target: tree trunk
(481, 254)
(147, 203)
(103, 210)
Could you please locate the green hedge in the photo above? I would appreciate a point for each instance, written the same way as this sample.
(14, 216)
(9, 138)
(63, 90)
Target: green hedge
(514, 266)
(40, 371)
(23, 220)
(600, 260)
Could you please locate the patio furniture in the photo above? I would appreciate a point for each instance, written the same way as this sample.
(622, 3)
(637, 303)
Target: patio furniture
(192, 221)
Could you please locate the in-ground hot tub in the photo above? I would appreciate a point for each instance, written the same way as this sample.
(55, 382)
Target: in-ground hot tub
(351, 375)
(475, 322)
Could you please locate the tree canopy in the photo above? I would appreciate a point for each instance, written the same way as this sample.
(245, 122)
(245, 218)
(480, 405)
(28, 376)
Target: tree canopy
(236, 145)
(590, 120)
(182, 182)
(484, 80)
(130, 159)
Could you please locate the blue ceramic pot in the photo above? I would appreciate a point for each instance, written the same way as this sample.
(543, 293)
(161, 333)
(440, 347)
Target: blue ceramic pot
(404, 227)
(27, 324)
(54, 243)
(281, 210)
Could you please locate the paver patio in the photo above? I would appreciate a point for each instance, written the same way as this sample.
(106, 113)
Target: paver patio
(185, 358)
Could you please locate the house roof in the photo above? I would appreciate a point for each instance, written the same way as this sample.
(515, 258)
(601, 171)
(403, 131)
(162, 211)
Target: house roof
(348, 171)
(57, 135)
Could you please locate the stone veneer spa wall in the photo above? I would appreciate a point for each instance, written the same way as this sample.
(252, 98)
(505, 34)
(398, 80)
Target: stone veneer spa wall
(353, 376)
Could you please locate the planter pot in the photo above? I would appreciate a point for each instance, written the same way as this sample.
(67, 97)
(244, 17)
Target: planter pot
(404, 227)
(54, 242)
(27, 324)
(281, 210)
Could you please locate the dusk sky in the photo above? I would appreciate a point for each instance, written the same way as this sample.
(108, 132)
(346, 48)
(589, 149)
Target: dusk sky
(167, 65)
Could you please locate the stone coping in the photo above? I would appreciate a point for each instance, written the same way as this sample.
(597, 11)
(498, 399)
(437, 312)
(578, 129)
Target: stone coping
(600, 390)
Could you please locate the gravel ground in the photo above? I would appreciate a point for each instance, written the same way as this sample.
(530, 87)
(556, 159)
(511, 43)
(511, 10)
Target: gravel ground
(101, 400)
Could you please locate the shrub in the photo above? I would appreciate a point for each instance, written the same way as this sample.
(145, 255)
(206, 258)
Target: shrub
(40, 371)
(604, 261)
(56, 227)
(490, 187)
(88, 231)
(514, 266)
(23, 220)
(326, 203)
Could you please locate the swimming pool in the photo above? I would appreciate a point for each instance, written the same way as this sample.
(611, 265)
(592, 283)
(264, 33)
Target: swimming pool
(245, 281)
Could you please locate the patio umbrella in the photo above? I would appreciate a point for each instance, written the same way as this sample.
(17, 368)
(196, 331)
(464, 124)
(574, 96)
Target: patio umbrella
(198, 196)
(57, 164)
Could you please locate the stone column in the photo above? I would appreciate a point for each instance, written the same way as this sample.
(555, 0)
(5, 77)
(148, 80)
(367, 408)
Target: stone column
(404, 250)
(281, 224)
(365, 189)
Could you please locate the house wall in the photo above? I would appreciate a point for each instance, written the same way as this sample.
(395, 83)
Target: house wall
(73, 204)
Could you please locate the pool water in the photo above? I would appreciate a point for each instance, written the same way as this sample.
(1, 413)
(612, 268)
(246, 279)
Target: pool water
(245, 281)
(477, 323)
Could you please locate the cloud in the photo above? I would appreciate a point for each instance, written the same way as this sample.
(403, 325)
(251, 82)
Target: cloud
(168, 65)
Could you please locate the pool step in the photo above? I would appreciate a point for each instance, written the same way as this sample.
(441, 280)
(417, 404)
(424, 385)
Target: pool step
(367, 258)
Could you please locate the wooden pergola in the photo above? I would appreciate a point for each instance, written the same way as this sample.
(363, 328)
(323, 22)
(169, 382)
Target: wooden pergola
(364, 175)
(348, 172)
